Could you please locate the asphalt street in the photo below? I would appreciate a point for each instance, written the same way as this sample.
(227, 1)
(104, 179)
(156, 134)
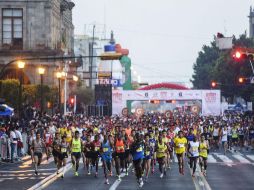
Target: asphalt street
(231, 171)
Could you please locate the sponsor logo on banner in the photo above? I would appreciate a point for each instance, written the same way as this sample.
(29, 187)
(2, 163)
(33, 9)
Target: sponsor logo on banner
(168, 114)
(139, 112)
(125, 112)
(117, 97)
(210, 97)
(195, 109)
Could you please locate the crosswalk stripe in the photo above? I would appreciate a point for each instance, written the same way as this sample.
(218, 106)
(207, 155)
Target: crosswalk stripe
(224, 158)
(251, 157)
(241, 159)
(211, 159)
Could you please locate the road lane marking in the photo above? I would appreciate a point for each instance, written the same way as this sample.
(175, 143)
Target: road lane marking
(224, 158)
(175, 159)
(251, 157)
(117, 182)
(241, 159)
(50, 179)
(25, 171)
(211, 159)
(21, 174)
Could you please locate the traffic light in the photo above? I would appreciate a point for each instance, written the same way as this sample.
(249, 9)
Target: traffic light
(243, 80)
(72, 101)
(214, 84)
(243, 54)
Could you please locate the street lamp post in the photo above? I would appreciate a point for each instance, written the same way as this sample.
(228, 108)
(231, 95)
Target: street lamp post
(21, 66)
(59, 76)
(41, 71)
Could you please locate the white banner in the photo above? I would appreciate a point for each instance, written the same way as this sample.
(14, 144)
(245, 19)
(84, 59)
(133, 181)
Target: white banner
(211, 100)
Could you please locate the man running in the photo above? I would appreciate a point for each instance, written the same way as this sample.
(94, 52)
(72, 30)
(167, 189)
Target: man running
(76, 148)
(137, 151)
(37, 149)
(203, 154)
(161, 152)
(63, 155)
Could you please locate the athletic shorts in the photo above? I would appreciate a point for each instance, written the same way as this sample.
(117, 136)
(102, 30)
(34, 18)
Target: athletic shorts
(62, 156)
(234, 140)
(106, 157)
(38, 154)
(77, 155)
(121, 155)
(55, 153)
(216, 138)
(127, 153)
(160, 160)
(95, 154)
(204, 158)
(241, 137)
(179, 155)
(148, 157)
(88, 154)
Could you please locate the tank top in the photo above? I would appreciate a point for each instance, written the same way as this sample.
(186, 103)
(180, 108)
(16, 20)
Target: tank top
(63, 147)
(194, 148)
(224, 135)
(234, 133)
(76, 145)
(106, 148)
(119, 146)
(37, 146)
(97, 146)
(161, 150)
(216, 132)
(203, 149)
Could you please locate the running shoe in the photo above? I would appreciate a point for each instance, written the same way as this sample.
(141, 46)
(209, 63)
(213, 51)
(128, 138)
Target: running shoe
(76, 173)
(36, 173)
(161, 176)
(141, 183)
(119, 178)
(96, 174)
(107, 182)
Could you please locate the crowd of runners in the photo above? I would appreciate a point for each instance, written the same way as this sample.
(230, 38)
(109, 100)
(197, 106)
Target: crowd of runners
(142, 144)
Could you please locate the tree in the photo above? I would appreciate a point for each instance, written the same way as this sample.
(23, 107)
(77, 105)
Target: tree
(214, 64)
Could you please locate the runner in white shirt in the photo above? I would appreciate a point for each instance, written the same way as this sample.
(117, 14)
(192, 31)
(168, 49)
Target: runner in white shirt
(224, 138)
(229, 131)
(193, 150)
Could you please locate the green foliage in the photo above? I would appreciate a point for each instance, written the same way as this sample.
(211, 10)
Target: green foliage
(30, 93)
(218, 65)
(85, 96)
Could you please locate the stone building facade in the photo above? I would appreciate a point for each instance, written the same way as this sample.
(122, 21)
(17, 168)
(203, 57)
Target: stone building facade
(36, 28)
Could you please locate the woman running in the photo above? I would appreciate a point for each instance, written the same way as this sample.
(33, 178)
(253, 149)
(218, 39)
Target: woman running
(148, 156)
(161, 152)
(203, 154)
(180, 147)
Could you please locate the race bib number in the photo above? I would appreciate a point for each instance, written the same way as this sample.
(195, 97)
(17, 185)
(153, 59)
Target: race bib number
(181, 145)
(97, 148)
(63, 150)
(195, 149)
(139, 149)
(105, 149)
(147, 152)
(120, 148)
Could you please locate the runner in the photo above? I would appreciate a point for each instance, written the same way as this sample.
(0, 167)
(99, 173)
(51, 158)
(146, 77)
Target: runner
(203, 154)
(76, 148)
(161, 152)
(193, 150)
(56, 148)
(88, 154)
(137, 151)
(96, 154)
(148, 156)
(180, 147)
(63, 155)
(37, 149)
(224, 139)
(120, 155)
(48, 139)
(106, 155)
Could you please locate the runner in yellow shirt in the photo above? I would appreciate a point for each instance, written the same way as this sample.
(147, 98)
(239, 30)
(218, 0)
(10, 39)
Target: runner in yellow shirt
(180, 148)
(203, 154)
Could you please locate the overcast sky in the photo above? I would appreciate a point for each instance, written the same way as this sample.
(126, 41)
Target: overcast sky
(163, 36)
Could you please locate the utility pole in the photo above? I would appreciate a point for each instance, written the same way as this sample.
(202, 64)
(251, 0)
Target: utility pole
(91, 59)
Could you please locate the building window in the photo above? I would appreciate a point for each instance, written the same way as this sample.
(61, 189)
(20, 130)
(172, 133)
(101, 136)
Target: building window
(12, 26)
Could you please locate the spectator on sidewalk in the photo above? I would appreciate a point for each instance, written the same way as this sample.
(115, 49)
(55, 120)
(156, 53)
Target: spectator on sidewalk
(19, 142)
(13, 143)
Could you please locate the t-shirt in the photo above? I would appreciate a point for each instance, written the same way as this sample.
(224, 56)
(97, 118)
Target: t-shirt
(180, 145)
